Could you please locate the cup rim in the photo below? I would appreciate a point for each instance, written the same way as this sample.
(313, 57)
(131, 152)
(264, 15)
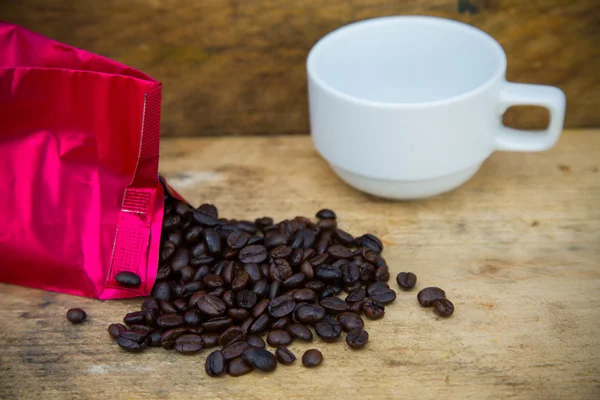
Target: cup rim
(364, 24)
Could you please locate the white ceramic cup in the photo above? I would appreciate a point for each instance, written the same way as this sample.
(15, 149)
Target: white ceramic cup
(409, 107)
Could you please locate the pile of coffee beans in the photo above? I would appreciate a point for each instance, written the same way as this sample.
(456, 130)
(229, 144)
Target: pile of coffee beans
(226, 283)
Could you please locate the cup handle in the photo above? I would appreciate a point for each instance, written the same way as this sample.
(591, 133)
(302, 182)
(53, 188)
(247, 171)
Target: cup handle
(549, 97)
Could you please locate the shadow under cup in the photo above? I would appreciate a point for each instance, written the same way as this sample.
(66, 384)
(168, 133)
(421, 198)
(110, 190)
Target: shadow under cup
(399, 106)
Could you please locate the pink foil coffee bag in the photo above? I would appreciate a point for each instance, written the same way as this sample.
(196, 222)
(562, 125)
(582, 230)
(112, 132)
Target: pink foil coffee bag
(80, 198)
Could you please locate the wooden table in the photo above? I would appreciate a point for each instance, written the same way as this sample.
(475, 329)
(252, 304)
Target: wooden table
(517, 249)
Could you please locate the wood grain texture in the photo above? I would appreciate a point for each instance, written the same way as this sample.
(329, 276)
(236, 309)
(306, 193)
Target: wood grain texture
(517, 249)
(233, 67)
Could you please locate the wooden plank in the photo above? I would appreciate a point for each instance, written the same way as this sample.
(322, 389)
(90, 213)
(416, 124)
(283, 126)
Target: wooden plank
(234, 67)
(516, 248)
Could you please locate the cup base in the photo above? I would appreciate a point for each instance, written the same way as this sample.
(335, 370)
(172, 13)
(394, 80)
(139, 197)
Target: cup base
(406, 190)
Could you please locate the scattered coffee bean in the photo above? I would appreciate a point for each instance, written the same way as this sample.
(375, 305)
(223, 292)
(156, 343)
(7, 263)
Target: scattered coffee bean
(310, 314)
(129, 345)
(210, 339)
(334, 305)
(300, 331)
(357, 338)
(279, 337)
(255, 341)
(238, 367)
(215, 364)
(284, 355)
(443, 307)
(350, 321)
(329, 329)
(384, 297)
(234, 350)
(373, 309)
(188, 344)
(259, 358)
(326, 214)
(427, 296)
(128, 279)
(114, 330)
(312, 358)
(76, 315)
(406, 280)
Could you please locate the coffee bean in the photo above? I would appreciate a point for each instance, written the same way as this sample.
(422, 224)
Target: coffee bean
(384, 297)
(316, 286)
(253, 271)
(218, 292)
(260, 359)
(327, 225)
(76, 315)
(300, 331)
(310, 314)
(326, 214)
(180, 259)
(141, 328)
(229, 299)
(370, 242)
(282, 251)
(167, 250)
(284, 355)
(213, 241)
(196, 297)
(170, 321)
(274, 289)
(129, 345)
(312, 358)
(188, 344)
(234, 350)
(237, 239)
(350, 321)
(137, 317)
(210, 339)
(443, 307)
(137, 335)
(246, 299)
(296, 257)
(218, 324)
(260, 308)
(246, 226)
(255, 341)
(294, 281)
(377, 287)
(164, 272)
(212, 306)
(373, 309)
(279, 337)
(154, 338)
(247, 323)
(149, 304)
(356, 295)
(357, 338)
(281, 306)
(281, 323)
(349, 288)
(334, 304)
(215, 364)
(114, 330)
(273, 241)
(306, 295)
(256, 240)
(253, 254)
(382, 274)
(263, 222)
(367, 272)
(330, 290)
(343, 237)
(406, 280)
(213, 281)
(187, 273)
(280, 270)
(319, 259)
(328, 273)
(128, 279)
(162, 291)
(205, 215)
(338, 251)
(202, 260)
(240, 282)
(167, 339)
(238, 367)
(238, 314)
(260, 324)
(261, 288)
(231, 335)
(329, 329)
(427, 296)
(175, 237)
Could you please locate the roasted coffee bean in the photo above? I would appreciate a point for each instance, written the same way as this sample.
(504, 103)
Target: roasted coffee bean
(263, 222)
(304, 295)
(205, 215)
(377, 287)
(260, 308)
(213, 241)
(167, 307)
(167, 250)
(427, 296)
(316, 286)
(141, 328)
(296, 257)
(228, 272)
(369, 255)
(253, 271)
(319, 259)
(130, 345)
(234, 350)
(284, 355)
(246, 299)
(281, 306)
(196, 297)
(343, 237)
(202, 260)
(247, 323)
(255, 341)
(373, 309)
(201, 272)
(132, 318)
(218, 292)
(328, 273)
(282, 251)
(370, 242)
(240, 282)
(406, 280)
(180, 259)
(338, 251)
(213, 281)
(300, 331)
(253, 254)
(192, 318)
(329, 329)
(138, 336)
(76, 315)
(187, 273)
(260, 359)
(384, 297)
(188, 344)
(327, 225)
(210, 339)
(154, 338)
(382, 274)
(273, 241)
(229, 299)
(212, 306)
(128, 279)
(162, 291)
(274, 289)
(114, 330)
(443, 307)
(170, 321)
(167, 340)
(310, 236)
(215, 364)
(279, 337)
(351, 274)
(350, 321)
(352, 287)
(280, 270)
(357, 338)
(356, 295)
(178, 291)
(164, 272)
(218, 324)
(255, 240)
(238, 314)
(294, 281)
(199, 250)
(231, 335)
(180, 305)
(281, 323)
(334, 305)
(324, 239)
(312, 358)
(260, 324)
(310, 314)
(326, 214)
(180, 207)
(238, 367)
(367, 272)
(237, 239)
(330, 290)
(246, 226)
(356, 307)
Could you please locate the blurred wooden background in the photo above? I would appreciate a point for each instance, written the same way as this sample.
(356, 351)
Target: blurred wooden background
(236, 67)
